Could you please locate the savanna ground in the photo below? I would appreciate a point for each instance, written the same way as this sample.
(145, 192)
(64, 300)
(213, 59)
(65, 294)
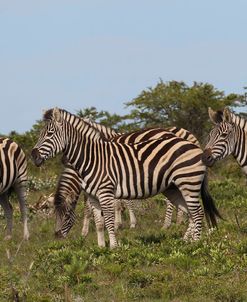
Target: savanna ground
(149, 264)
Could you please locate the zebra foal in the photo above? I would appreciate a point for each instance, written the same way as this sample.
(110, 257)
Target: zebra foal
(13, 175)
(110, 169)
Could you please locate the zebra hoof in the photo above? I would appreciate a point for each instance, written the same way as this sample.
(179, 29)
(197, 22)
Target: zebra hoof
(165, 227)
(84, 233)
(8, 237)
(118, 226)
(59, 235)
(26, 236)
(112, 247)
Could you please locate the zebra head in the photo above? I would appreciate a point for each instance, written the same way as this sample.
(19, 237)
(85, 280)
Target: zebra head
(221, 139)
(65, 214)
(51, 140)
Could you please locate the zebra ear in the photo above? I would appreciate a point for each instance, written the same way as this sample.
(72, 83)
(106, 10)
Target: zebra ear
(57, 115)
(216, 117)
(227, 115)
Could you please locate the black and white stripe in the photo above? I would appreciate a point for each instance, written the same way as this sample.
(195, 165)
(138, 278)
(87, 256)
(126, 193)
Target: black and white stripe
(65, 200)
(70, 185)
(111, 169)
(229, 136)
(13, 175)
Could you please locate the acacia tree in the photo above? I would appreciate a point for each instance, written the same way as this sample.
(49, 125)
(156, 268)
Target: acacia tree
(103, 117)
(177, 104)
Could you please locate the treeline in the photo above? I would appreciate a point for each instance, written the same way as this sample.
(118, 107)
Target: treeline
(167, 104)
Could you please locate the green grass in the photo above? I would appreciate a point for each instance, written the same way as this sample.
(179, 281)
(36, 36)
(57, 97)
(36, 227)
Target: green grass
(149, 264)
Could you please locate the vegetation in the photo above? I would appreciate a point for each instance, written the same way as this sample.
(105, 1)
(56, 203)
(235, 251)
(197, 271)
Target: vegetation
(149, 264)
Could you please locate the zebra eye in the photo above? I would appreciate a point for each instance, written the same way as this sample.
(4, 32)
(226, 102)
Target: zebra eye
(224, 135)
(49, 133)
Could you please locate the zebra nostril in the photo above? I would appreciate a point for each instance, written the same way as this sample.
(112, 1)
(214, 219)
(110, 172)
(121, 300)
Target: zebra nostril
(207, 158)
(37, 159)
(58, 234)
(35, 154)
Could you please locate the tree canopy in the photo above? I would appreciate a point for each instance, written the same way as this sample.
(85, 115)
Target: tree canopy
(177, 104)
(167, 104)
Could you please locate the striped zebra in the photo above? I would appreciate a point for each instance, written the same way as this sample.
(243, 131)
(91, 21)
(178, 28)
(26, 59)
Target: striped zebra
(70, 185)
(111, 169)
(65, 200)
(229, 136)
(13, 175)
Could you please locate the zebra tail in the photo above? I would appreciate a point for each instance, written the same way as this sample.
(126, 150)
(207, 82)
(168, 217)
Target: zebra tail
(211, 212)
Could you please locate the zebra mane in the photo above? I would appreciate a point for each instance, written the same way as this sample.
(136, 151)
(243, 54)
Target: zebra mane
(239, 121)
(106, 131)
(48, 114)
(74, 120)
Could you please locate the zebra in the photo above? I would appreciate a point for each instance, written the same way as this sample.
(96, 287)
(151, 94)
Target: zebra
(229, 136)
(111, 169)
(70, 184)
(65, 200)
(13, 175)
(68, 192)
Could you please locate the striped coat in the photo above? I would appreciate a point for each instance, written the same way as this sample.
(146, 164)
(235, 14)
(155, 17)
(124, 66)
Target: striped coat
(110, 170)
(13, 175)
(229, 136)
(69, 184)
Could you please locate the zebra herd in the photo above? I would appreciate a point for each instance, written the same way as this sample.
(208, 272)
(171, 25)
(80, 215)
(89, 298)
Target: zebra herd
(110, 167)
(66, 188)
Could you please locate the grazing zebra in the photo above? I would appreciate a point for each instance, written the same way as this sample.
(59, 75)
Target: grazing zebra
(111, 169)
(70, 184)
(65, 200)
(13, 175)
(229, 136)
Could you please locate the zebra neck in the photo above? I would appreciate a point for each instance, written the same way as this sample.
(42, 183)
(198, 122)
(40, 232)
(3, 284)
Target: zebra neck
(84, 151)
(240, 151)
(106, 131)
(239, 121)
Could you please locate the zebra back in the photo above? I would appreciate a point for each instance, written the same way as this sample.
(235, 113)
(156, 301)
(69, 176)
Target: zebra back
(108, 132)
(70, 181)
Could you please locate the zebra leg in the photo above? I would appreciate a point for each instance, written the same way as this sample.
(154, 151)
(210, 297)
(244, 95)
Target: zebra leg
(190, 231)
(99, 221)
(8, 213)
(195, 225)
(107, 205)
(130, 206)
(174, 199)
(118, 214)
(21, 195)
(196, 216)
(87, 217)
(168, 216)
(180, 215)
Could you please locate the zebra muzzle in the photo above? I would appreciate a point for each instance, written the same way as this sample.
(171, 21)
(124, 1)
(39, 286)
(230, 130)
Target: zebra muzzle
(37, 159)
(207, 158)
(59, 235)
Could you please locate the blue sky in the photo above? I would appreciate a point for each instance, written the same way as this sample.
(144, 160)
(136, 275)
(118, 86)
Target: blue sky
(77, 54)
